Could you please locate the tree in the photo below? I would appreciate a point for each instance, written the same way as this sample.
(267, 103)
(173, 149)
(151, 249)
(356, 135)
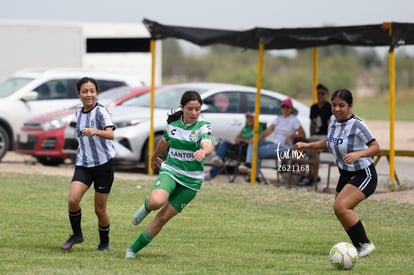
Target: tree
(339, 67)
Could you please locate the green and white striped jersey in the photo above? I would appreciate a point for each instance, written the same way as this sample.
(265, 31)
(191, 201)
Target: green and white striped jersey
(184, 140)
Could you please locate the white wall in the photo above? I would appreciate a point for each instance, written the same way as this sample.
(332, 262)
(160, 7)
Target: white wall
(28, 44)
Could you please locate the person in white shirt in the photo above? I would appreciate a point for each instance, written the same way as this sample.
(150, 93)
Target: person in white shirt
(285, 128)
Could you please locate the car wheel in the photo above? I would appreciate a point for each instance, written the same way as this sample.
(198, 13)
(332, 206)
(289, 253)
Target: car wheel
(49, 161)
(163, 156)
(4, 142)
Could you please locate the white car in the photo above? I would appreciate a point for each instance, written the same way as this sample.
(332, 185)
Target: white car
(30, 93)
(224, 105)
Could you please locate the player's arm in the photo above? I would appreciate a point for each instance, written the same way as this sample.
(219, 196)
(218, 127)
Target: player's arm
(320, 144)
(206, 148)
(107, 133)
(161, 147)
(372, 150)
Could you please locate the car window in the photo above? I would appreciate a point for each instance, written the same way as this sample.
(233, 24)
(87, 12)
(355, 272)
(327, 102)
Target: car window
(66, 88)
(113, 94)
(226, 102)
(43, 92)
(71, 88)
(12, 84)
(164, 98)
(57, 89)
(109, 84)
(268, 105)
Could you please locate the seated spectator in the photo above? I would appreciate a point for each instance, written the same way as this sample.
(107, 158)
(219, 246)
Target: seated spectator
(245, 136)
(320, 113)
(285, 128)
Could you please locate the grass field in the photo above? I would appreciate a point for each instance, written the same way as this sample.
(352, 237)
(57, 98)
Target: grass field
(370, 109)
(227, 229)
(378, 108)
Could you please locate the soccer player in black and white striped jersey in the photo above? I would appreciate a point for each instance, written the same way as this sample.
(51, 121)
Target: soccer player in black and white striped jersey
(94, 163)
(353, 145)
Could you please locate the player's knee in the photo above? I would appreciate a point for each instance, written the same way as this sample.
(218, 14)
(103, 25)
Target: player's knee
(155, 203)
(339, 208)
(73, 203)
(100, 212)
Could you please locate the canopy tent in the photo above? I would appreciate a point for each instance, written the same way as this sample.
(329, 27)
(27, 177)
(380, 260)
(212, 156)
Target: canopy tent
(290, 38)
(387, 34)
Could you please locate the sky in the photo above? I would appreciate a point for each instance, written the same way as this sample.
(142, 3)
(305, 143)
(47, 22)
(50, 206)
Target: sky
(226, 14)
(221, 14)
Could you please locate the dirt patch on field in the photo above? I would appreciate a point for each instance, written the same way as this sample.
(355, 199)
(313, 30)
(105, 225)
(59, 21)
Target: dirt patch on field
(406, 196)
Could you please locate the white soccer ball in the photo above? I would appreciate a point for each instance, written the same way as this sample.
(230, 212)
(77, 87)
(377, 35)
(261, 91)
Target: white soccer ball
(343, 255)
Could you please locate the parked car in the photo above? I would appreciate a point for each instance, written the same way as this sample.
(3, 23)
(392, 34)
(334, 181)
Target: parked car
(42, 137)
(29, 93)
(224, 106)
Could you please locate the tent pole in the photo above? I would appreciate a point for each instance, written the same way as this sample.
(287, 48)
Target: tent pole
(315, 75)
(151, 135)
(392, 120)
(257, 113)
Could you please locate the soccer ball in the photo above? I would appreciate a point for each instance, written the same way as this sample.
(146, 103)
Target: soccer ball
(343, 255)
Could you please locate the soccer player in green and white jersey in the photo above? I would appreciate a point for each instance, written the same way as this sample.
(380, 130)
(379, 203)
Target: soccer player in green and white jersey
(189, 141)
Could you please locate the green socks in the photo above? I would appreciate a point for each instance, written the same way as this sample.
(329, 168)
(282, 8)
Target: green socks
(143, 239)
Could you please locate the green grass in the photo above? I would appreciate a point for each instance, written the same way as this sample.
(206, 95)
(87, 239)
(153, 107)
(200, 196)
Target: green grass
(370, 109)
(378, 107)
(227, 229)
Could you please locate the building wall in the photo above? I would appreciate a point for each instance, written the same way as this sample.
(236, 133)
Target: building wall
(32, 44)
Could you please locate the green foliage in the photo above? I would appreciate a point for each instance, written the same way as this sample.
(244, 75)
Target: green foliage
(404, 67)
(354, 68)
(340, 71)
(172, 54)
(294, 83)
(368, 58)
(326, 52)
(227, 229)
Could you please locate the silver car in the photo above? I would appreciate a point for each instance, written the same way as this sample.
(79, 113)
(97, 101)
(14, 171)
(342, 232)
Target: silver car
(224, 106)
(33, 92)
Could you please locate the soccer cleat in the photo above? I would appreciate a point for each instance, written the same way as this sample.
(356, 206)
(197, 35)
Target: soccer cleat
(103, 247)
(73, 239)
(217, 161)
(365, 249)
(130, 254)
(139, 215)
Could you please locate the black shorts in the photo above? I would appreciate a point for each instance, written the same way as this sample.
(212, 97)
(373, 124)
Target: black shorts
(365, 180)
(102, 176)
